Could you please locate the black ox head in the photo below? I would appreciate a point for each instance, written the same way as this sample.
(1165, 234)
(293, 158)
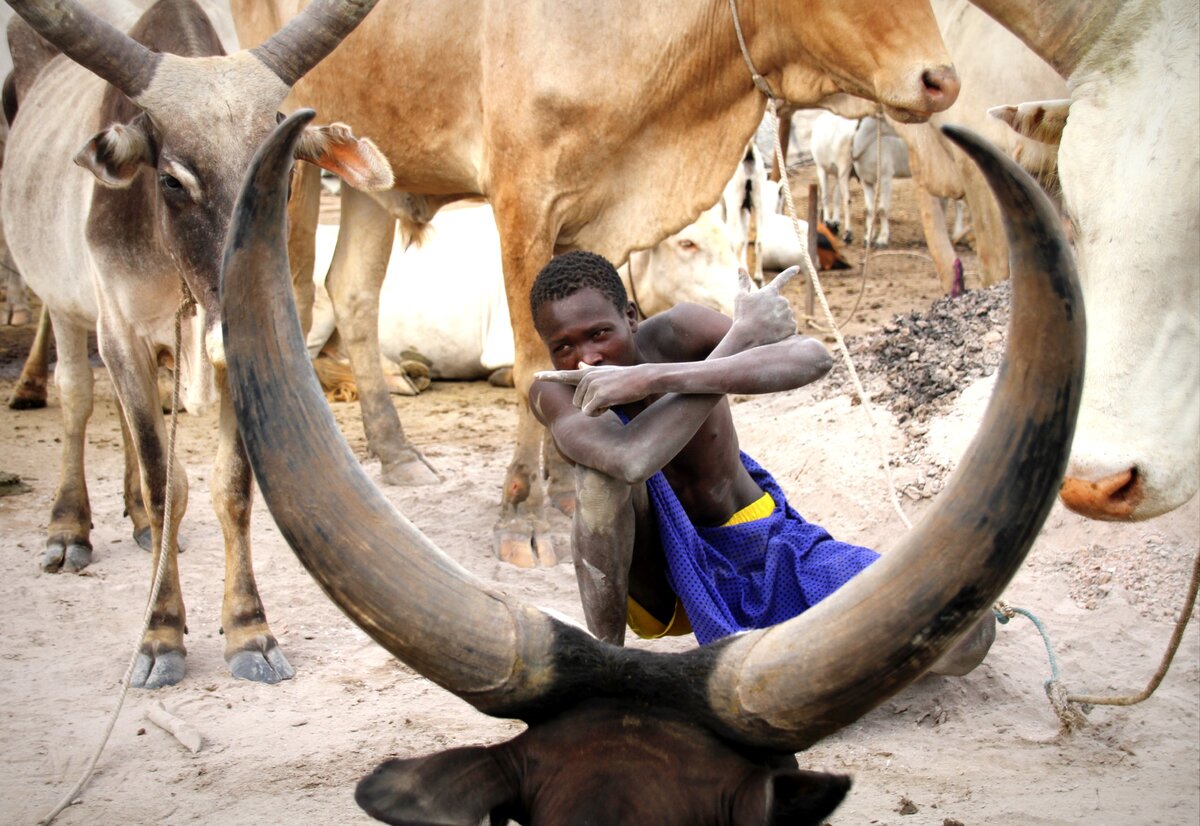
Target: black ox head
(619, 735)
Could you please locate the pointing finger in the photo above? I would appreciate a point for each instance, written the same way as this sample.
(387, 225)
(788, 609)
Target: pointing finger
(560, 376)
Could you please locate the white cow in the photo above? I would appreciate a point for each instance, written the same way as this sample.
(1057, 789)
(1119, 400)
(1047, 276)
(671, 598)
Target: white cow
(444, 298)
(1127, 149)
(741, 206)
(876, 169)
(832, 136)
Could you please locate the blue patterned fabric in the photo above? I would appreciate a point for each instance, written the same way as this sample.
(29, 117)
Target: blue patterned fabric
(752, 575)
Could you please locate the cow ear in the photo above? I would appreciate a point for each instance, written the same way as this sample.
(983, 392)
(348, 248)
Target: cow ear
(1040, 121)
(115, 154)
(460, 786)
(357, 161)
(788, 796)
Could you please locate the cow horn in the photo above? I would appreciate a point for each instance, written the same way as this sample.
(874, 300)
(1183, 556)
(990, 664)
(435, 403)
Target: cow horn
(783, 687)
(797, 682)
(372, 562)
(91, 42)
(309, 36)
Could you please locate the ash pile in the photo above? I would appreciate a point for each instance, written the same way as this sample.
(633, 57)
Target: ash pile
(916, 364)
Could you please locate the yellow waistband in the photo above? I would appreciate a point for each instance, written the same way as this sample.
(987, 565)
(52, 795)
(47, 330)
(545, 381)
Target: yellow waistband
(758, 509)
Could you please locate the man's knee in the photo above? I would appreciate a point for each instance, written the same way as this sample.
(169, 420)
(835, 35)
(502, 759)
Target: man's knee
(601, 501)
(970, 650)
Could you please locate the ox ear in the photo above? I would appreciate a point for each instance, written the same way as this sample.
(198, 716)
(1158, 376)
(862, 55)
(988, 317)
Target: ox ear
(788, 796)
(115, 154)
(460, 786)
(357, 161)
(1041, 120)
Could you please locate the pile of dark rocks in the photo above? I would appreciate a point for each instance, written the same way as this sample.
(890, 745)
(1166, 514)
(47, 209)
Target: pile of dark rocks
(918, 363)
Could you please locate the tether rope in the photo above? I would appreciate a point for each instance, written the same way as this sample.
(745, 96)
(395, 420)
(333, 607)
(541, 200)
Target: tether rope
(187, 305)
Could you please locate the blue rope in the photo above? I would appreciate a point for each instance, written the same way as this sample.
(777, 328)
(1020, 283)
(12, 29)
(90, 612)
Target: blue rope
(1003, 617)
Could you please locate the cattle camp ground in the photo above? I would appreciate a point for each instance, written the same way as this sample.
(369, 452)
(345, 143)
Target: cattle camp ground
(983, 749)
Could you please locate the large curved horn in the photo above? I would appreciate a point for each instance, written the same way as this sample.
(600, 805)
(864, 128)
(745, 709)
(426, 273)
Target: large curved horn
(91, 42)
(372, 562)
(783, 687)
(309, 36)
(797, 682)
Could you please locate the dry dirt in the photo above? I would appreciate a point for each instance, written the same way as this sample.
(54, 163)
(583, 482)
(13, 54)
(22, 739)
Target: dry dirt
(983, 749)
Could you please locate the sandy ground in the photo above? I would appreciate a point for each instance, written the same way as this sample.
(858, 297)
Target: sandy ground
(984, 749)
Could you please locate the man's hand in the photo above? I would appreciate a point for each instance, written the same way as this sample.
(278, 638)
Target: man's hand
(599, 388)
(763, 316)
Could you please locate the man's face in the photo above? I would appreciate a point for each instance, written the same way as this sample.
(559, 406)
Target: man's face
(586, 328)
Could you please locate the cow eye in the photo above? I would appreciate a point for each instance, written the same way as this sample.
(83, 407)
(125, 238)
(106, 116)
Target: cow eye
(686, 245)
(169, 182)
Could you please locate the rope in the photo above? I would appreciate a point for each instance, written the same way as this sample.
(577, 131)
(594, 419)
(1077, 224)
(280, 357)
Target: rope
(1073, 708)
(187, 305)
(1189, 605)
(885, 457)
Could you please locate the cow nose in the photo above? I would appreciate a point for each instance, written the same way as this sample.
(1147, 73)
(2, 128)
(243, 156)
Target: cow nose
(1112, 498)
(941, 86)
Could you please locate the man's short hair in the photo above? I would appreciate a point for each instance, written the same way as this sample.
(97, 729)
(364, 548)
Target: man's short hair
(571, 272)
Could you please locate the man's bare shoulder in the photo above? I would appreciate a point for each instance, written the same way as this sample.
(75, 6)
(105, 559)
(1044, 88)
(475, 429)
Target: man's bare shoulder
(686, 332)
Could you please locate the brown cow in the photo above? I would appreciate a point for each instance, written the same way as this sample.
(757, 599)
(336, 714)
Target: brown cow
(600, 126)
(621, 735)
(177, 127)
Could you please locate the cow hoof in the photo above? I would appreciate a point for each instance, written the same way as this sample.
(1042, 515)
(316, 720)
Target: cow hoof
(502, 377)
(78, 558)
(410, 473)
(166, 669)
(515, 548)
(52, 557)
(144, 539)
(28, 397)
(71, 555)
(265, 666)
(525, 548)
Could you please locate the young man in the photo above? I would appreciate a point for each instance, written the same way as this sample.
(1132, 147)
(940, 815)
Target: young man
(675, 529)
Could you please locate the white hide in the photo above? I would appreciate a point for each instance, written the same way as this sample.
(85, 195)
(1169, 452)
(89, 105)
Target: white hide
(741, 201)
(1130, 174)
(445, 299)
(832, 136)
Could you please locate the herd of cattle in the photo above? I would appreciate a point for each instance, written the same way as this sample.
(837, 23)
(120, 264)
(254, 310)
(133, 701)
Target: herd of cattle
(629, 158)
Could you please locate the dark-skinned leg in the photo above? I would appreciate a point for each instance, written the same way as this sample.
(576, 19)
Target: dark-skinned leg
(602, 538)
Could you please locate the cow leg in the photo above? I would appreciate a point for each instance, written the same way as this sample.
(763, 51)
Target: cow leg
(355, 277)
(135, 506)
(560, 486)
(933, 220)
(304, 211)
(521, 536)
(134, 370)
(251, 650)
(68, 544)
(990, 242)
(885, 200)
(823, 187)
(16, 293)
(30, 392)
(869, 197)
(843, 184)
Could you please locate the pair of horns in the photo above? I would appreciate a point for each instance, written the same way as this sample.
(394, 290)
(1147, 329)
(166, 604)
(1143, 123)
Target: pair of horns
(782, 687)
(128, 65)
